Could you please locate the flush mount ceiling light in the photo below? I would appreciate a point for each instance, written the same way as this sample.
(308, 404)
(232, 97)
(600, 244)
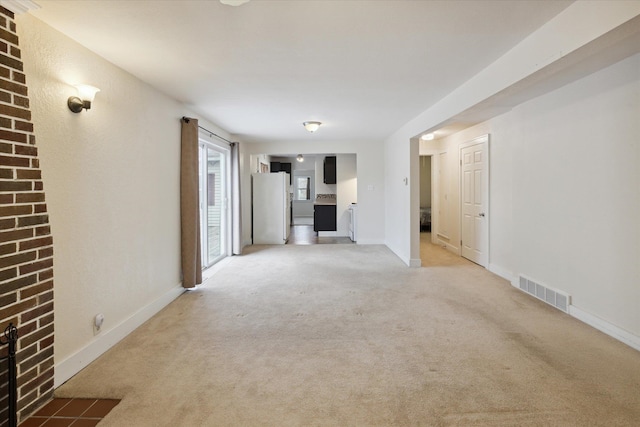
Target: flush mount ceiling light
(85, 97)
(311, 126)
(234, 2)
(300, 158)
(427, 137)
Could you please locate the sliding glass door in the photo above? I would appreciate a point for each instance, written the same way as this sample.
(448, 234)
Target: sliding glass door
(214, 206)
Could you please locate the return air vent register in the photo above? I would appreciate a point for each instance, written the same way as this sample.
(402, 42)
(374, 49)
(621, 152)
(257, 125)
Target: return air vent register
(554, 297)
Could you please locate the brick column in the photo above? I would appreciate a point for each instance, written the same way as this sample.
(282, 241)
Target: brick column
(26, 245)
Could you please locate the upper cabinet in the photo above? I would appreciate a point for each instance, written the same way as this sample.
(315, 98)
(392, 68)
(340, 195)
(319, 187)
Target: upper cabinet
(330, 170)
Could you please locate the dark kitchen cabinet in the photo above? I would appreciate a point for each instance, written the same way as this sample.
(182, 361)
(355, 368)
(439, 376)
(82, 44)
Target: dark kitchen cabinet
(330, 170)
(324, 218)
(281, 167)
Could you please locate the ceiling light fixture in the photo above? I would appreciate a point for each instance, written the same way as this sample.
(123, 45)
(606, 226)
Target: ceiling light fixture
(300, 158)
(427, 137)
(85, 97)
(234, 2)
(311, 126)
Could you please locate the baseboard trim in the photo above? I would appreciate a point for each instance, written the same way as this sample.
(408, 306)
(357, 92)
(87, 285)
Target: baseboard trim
(620, 334)
(415, 263)
(502, 272)
(73, 364)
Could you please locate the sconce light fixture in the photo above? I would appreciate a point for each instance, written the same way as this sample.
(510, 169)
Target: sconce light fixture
(84, 99)
(311, 126)
(428, 137)
(300, 158)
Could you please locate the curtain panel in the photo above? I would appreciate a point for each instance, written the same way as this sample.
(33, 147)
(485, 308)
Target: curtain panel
(236, 218)
(189, 205)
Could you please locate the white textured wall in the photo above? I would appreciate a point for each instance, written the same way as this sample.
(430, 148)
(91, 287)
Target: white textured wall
(111, 178)
(565, 192)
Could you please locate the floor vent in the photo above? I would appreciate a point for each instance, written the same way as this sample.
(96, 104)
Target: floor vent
(554, 297)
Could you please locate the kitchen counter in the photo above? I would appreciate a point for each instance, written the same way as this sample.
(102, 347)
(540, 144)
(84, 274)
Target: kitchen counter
(325, 199)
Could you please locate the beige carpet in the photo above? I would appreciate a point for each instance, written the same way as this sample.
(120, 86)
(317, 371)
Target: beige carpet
(347, 335)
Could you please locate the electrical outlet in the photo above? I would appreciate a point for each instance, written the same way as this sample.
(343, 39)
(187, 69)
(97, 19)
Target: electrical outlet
(97, 322)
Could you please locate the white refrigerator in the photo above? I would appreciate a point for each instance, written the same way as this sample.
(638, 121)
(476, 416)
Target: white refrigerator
(271, 208)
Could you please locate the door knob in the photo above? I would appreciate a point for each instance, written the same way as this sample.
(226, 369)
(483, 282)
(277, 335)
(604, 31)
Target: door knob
(481, 214)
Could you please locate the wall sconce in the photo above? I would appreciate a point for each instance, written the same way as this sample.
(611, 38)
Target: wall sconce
(84, 99)
(311, 126)
(300, 158)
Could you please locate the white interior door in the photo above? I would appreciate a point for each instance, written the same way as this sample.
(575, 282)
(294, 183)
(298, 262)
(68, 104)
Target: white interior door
(474, 182)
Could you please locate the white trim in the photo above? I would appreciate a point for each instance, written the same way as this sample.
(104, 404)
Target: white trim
(73, 364)
(610, 329)
(19, 6)
(502, 272)
(415, 263)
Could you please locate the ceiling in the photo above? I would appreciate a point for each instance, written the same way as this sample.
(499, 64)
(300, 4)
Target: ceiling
(363, 68)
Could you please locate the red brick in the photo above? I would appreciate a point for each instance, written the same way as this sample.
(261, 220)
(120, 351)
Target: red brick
(6, 148)
(7, 110)
(5, 97)
(32, 174)
(10, 62)
(12, 310)
(6, 173)
(6, 199)
(8, 248)
(7, 274)
(27, 221)
(19, 77)
(7, 224)
(45, 253)
(37, 312)
(6, 123)
(15, 210)
(21, 101)
(35, 290)
(36, 243)
(30, 197)
(15, 185)
(4, 71)
(25, 150)
(46, 320)
(25, 126)
(45, 275)
(6, 135)
(43, 231)
(7, 236)
(18, 283)
(35, 266)
(20, 258)
(15, 52)
(40, 208)
(35, 163)
(14, 161)
(8, 36)
(37, 186)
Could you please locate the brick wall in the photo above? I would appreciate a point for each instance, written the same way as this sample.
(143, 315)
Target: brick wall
(26, 246)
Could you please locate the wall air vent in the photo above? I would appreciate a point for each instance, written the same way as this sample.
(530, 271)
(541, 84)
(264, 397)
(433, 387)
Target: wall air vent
(558, 299)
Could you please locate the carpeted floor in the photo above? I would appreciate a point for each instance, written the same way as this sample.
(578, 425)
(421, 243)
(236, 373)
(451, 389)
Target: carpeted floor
(347, 335)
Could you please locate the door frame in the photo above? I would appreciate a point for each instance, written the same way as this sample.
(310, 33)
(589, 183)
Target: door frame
(483, 139)
(208, 143)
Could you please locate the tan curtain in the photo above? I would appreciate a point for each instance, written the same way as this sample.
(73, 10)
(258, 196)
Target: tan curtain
(189, 205)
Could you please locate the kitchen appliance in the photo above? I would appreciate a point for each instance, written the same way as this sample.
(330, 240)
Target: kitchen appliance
(353, 223)
(271, 208)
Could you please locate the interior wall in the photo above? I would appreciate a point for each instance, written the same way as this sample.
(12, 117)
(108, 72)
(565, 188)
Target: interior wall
(112, 178)
(564, 182)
